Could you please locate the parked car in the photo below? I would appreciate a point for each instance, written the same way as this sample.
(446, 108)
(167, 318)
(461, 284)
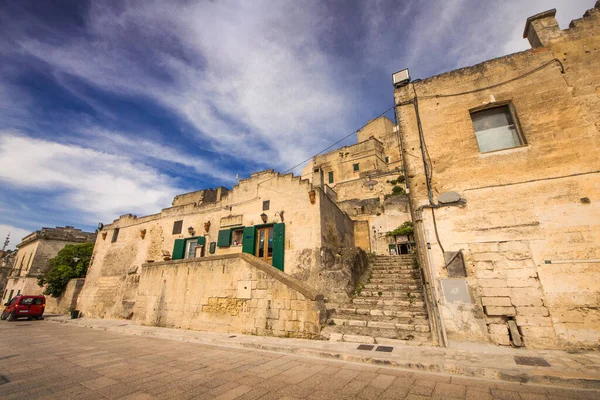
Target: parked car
(24, 306)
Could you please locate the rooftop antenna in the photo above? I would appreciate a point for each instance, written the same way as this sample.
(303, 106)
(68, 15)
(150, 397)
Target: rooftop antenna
(6, 242)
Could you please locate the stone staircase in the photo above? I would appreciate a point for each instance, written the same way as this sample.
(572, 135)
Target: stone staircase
(389, 306)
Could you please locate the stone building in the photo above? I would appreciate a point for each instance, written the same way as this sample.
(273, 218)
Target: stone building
(505, 189)
(33, 254)
(7, 258)
(187, 266)
(367, 182)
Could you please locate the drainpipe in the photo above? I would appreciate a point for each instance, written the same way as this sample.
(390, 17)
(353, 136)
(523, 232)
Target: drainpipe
(435, 289)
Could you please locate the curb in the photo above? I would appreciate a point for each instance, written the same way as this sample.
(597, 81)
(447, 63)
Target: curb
(534, 376)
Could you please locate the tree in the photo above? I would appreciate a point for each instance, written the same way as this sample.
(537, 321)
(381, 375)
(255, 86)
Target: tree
(71, 262)
(406, 228)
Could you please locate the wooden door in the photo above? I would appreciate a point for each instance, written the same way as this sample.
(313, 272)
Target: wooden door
(264, 244)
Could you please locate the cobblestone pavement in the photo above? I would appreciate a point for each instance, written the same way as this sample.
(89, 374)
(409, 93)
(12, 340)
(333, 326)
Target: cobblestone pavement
(40, 360)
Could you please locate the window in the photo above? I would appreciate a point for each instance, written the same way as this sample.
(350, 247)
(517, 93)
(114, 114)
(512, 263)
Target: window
(330, 176)
(496, 129)
(266, 205)
(193, 249)
(236, 237)
(387, 160)
(27, 301)
(355, 167)
(115, 235)
(177, 225)
(213, 247)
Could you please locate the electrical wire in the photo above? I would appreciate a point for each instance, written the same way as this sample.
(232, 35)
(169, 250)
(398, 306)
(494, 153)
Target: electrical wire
(435, 96)
(329, 147)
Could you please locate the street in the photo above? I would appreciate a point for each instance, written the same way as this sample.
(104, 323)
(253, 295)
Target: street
(43, 360)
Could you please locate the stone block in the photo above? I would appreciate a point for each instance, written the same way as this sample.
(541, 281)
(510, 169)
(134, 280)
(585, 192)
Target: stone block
(537, 332)
(521, 273)
(529, 301)
(502, 340)
(513, 246)
(521, 282)
(494, 310)
(489, 274)
(533, 321)
(355, 322)
(496, 301)
(517, 255)
(484, 247)
(483, 265)
(335, 337)
(496, 292)
(498, 329)
(382, 324)
(490, 256)
(532, 311)
(492, 283)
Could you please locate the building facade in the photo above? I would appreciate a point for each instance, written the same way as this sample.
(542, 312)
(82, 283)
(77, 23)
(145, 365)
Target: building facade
(505, 190)
(33, 254)
(296, 233)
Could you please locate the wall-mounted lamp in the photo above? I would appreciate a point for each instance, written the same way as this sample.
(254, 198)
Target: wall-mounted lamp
(370, 183)
(263, 216)
(207, 226)
(191, 230)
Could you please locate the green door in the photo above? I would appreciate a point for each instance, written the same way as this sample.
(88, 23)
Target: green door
(278, 245)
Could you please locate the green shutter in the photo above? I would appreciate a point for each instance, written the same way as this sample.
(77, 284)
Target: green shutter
(331, 177)
(278, 245)
(178, 249)
(249, 240)
(224, 239)
(201, 240)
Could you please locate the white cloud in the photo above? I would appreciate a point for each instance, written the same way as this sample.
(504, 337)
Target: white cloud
(250, 76)
(16, 234)
(99, 186)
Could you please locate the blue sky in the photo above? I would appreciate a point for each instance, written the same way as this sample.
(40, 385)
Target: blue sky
(114, 107)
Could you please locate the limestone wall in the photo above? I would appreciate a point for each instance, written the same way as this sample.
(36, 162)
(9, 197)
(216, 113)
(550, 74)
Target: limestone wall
(67, 301)
(531, 222)
(236, 293)
(111, 282)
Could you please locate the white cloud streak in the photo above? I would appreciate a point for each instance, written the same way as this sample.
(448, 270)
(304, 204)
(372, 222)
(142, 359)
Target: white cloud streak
(99, 186)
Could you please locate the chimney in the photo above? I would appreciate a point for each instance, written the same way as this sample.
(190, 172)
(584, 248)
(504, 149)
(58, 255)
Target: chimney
(541, 28)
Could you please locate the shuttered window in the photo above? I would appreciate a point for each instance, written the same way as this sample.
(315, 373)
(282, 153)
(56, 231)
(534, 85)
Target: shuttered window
(224, 238)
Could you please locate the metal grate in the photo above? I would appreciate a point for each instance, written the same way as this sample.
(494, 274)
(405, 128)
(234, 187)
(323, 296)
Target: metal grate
(533, 361)
(385, 349)
(365, 347)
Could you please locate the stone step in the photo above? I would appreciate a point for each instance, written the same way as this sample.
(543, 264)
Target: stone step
(405, 325)
(363, 334)
(399, 272)
(383, 268)
(415, 286)
(385, 302)
(403, 312)
(387, 294)
(407, 280)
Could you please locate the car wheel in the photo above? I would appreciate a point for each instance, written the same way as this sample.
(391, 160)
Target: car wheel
(11, 316)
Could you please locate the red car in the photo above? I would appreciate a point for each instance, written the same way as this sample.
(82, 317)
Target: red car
(24, 306)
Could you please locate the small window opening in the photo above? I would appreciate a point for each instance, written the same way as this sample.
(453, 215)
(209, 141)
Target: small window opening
(115, 235)
(355, 167)
(177, 227)
(330, 176)
(236, 237)
(266, 204)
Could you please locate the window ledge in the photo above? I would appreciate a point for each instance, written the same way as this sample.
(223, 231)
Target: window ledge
(510, 150)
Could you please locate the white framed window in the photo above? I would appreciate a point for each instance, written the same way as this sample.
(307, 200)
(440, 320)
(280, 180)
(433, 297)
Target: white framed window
(496, 128)
(237, 237)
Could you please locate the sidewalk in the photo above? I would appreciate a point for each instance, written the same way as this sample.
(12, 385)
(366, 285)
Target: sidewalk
(573, 369)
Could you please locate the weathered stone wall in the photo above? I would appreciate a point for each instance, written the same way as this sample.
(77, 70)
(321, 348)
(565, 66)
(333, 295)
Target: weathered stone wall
(531, 222)
(111, 282)
(68, 300)
(383, 129)
(236, 293)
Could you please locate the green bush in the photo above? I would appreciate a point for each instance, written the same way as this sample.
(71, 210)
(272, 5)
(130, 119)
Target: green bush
(397, 190)
(406, 228)
(71, 262)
